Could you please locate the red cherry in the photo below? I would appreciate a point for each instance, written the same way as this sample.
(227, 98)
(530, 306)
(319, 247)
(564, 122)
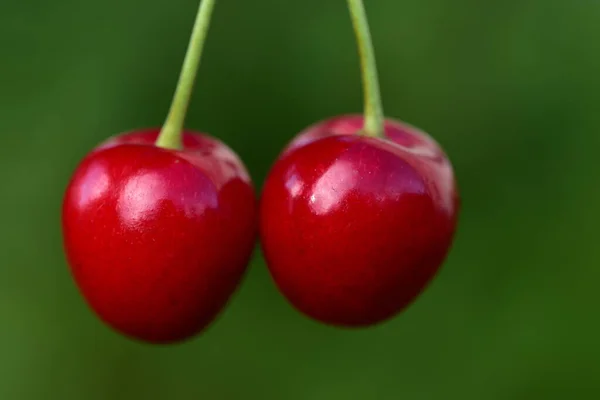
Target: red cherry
(353, 228)
(158, 240)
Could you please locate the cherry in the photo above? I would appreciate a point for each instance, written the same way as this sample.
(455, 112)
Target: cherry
(354, 227)
(159, 224)
(358, 213)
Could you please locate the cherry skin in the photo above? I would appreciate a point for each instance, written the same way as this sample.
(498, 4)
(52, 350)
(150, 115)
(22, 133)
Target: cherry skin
(158, 240)
(353, 228)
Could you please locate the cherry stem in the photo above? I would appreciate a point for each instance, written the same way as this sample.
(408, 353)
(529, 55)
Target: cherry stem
(374, 117)
(170, 136)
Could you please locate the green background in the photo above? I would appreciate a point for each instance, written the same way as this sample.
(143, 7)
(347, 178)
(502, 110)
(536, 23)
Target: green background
(511, 90)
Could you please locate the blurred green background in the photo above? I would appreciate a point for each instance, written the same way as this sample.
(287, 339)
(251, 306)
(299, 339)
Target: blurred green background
(510, 89)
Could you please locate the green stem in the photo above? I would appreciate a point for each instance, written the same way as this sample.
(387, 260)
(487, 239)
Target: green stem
(170, 136)
(374, 117)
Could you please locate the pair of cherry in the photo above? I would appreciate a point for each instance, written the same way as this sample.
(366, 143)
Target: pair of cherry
(356, 216)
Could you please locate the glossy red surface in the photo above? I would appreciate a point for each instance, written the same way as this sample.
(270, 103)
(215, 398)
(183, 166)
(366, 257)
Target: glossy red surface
(158, 240)
(354, 228)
